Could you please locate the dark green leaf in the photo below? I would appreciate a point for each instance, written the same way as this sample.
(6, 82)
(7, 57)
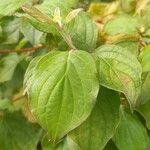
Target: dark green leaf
(98, 129)
(18, 134)
(131, 134)
(144, 110)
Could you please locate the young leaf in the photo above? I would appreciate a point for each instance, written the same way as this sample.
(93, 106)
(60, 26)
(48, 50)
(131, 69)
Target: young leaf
(16, 133)
(131, 134)
(63, 91)
(37, 14)
(145, 59)
(98, 129)
(72, 15)
(83, 32)
(45, 11)
(119, 70)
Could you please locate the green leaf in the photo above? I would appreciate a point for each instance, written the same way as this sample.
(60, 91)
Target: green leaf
(28, 78)
(7, 66)
(63, 91)
(148, 145)
(145, 58)
(83, 32)
(47, 8)
(128, 5)
(110, 146)
(122, 24)
(119, 70)
(7, 7)
(10, 30)
(131, 134)
(145, 91)
(4, 104)
(131, 46)
(30, 33)
(99, 128)
(144, 110)
(66, 144)
(18, 134)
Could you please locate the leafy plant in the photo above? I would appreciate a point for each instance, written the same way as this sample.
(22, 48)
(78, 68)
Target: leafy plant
(74, 75)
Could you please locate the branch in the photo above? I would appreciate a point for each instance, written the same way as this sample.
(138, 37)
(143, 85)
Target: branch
(21, 50)
(18, 98)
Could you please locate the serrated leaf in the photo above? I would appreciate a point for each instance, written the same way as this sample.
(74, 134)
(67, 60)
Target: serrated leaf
(98, 129)
(83, 32)
(145, 59)
(131, 134)
(144, 110)
(63, 91)
(119, 70)
(7, 7)
(18, 134)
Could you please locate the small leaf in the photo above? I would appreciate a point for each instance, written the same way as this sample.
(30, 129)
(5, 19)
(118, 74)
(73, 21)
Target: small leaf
(131, 134)
(83, 32)
(42, 14)
(63, 90)
(72, 15)
(145, 58)
(98, 129)
(18, 134)
(37, 14)
(119, 70)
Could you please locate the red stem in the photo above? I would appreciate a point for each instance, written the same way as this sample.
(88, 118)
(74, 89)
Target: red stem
(21, 50)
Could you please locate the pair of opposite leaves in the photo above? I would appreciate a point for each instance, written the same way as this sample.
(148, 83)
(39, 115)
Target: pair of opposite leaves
(63, 86)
